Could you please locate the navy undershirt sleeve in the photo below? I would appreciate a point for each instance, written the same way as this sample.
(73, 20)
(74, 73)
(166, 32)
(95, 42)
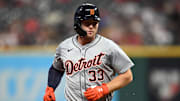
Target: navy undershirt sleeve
(54, 77)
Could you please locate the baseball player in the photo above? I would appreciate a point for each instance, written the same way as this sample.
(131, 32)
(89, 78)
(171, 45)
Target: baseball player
(89, 62)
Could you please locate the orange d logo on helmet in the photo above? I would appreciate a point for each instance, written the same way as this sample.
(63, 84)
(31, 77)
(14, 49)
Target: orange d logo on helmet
(91, 11)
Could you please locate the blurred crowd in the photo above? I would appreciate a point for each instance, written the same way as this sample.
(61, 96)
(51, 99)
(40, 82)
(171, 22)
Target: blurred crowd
(127, 22)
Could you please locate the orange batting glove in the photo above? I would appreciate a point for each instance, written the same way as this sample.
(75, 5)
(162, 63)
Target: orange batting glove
(93, 94)
(49, 94)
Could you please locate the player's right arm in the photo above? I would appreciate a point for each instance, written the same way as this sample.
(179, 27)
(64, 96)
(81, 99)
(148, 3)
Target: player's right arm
(55, 74)
(54, 78)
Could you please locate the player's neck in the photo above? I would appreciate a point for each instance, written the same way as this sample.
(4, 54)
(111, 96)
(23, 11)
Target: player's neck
(85, 40)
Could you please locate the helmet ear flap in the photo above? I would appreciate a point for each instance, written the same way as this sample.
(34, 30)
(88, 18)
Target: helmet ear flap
(79, 30)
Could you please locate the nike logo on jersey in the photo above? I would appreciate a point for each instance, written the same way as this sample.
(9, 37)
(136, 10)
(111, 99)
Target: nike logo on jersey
(70, 49)
(82, 63)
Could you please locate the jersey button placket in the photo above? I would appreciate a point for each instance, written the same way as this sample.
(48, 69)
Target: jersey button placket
(83, 52)
(82, 76)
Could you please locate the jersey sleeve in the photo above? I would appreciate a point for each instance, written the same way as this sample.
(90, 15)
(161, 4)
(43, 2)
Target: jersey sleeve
(119, 60)
(58, 63)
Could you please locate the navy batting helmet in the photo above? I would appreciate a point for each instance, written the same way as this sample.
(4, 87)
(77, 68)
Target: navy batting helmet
(84, 12)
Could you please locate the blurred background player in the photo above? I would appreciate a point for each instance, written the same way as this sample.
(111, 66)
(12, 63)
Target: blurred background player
(89, 62)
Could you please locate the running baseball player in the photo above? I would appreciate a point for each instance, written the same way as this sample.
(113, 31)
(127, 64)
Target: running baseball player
(89, 62)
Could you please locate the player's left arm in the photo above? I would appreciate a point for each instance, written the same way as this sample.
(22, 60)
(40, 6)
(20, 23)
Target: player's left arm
(122, 65)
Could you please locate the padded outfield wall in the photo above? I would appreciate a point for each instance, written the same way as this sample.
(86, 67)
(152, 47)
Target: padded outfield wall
(24, 70)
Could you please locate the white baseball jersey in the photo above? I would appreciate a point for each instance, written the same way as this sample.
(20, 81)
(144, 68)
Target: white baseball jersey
(89, 65)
